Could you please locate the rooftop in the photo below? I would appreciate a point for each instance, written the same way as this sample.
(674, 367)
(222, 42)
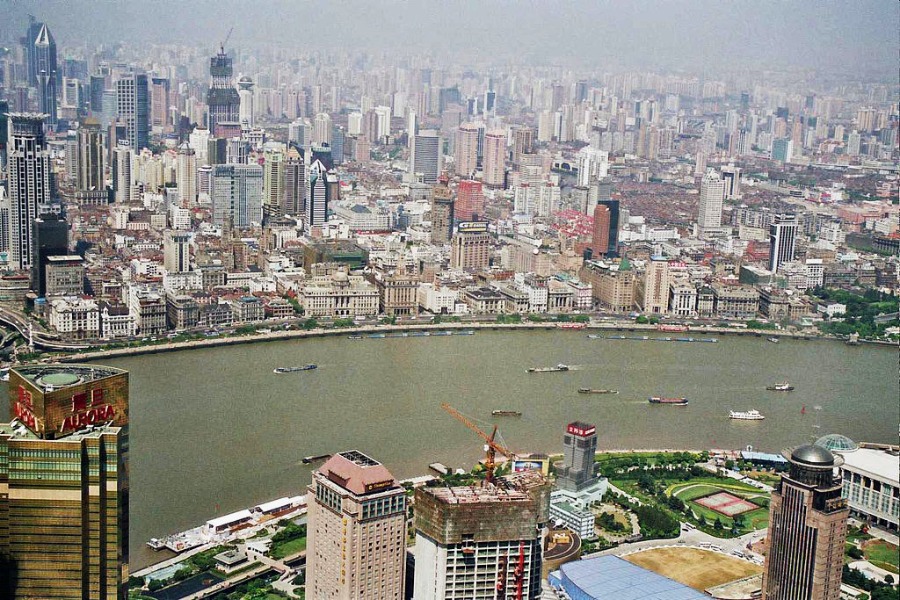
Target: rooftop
(881, 464)
(612, 578)
(53, 377)
(357, 473)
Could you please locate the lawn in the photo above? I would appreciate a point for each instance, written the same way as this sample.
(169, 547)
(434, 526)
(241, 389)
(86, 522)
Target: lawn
(882, 554)
(699, 569)
(753, 520)
(288, 548)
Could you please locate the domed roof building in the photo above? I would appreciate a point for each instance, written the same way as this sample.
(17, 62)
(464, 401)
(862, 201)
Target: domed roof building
(837, 443)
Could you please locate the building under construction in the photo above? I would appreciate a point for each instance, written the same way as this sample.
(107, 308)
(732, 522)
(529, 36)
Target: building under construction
(481, 542)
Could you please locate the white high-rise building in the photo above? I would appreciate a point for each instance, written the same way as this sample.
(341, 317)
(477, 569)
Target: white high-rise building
(176, 252)
(593, 165)
(186, 175)
(28, 170)
(466, 150)
(732, 176)
(199, 141)
(321, 129)
(245, 93)
(356, 545)
(354, 123)
(782, 240)
(712, 194)
(425, 158)
(317, 196)
(383, 121)
(123, 172)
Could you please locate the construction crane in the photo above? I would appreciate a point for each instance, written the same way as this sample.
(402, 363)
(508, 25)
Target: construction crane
(491, 447)
(227, 37)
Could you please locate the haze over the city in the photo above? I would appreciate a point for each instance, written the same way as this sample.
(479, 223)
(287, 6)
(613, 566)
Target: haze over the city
(691, 35)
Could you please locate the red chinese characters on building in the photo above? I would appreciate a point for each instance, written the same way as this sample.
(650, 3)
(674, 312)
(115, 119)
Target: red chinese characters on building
(22, 408)
(88, 409)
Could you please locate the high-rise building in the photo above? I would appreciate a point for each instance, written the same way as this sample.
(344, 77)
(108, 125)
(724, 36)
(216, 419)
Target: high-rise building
(29, 48)
(123, 172)
(807, 529)
(294, 202)
(321, 130)
(782, 149)
(481, 543)
(133, 109)
(44, 57)
(160, 117)
(186, 175)
(425, 159)
(442, 213)
(245, 93)
(732, 177)
(90, 179)
(222, 100)
(605, 239)
(712, 194)
(29, 183)
(495, 159)
(236, 193)
(470, 248)
(782, 240)
(853, 143)
(317, 196)
(579, 448)
(356, 545)
(50, 237)
(273, 182)
(469, 201)
(465, 151)
(177, 252)
(523, 143)
(65, 482)
(655, 298)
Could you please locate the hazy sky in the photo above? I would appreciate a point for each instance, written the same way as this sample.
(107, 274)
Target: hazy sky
(686, 34)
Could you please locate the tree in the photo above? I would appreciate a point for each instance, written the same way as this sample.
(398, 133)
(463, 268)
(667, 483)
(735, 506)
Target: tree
(718, 524)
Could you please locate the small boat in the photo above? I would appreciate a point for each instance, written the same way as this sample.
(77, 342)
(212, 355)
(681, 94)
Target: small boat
(784, 386)
(442, 333)
(282, 370)
(376, 336)
(354, 337)
(556, 369)
(506, 413)
(595, 391)
(314, 458)
(750, 415)
(673, 401)
(852, 340)
(773, 339)
(156, 544)
(464, 332)
(419, 334)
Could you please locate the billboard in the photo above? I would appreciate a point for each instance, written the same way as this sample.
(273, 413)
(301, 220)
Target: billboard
(535, 462)
(472, 227)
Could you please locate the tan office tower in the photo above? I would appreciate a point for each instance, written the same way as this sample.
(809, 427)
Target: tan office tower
(466, 150)
(470, 248)
(807, 529)
(495, 159)
(64, 484)
(357, 531)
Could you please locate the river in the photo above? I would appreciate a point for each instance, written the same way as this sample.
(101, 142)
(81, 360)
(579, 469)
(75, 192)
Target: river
(216, 428)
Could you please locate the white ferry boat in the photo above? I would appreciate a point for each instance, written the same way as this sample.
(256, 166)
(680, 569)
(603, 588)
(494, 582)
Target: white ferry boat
(750, 415)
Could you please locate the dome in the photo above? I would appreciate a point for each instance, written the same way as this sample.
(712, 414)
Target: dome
(811, 454)
(837, 443)
(341, 276)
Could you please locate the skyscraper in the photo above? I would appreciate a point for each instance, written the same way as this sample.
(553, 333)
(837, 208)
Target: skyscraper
(237, 193)
(442, 210)
(807, 529)
(425, 159)
(579, 447)
(160, 117)
(66, 471)
(222, 99)
(605, 239)
(90, 179)
(782, 149)
(245, 93)
(732, 176)
(44, 57)
(186, 175)
(29, 183)
(50, 237)
(495, 159)
(712, 194)
(481, 543)
(294, 202)
(133, 99)
(466, 150)
(317, 196)
(782, 240)
(469, 201)
(176, 252)
(356, 546)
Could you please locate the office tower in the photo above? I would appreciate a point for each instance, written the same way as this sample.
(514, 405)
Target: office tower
(177, 252)
(294, 202)
(465, 152)
(160, 117)
(317, 196)
(807, 529)
(273, 182)
(337, 144)
(90, 179)
(853, 143)
(199, 141)
(425, 159)
(236, 193)
(481, 543)
(186, 175)
(523, 143)
(470, 248)
(605, 238)
(579, 448)
(50, 235)
(712, 194)
(732, 177)
(356, 545)
(321, 130)
(4, 131)
(29, 183)
(222, 100)
(133, 109)
(29, 48)
(782, 240)
(123, 173)
(656, 286)
(442, 213)
(42, 70)
(495, 159)
(300, 133)
(97, 87)
(469, 201)
(782, 149)
(65, 481)
(237, 151)
(245, 93)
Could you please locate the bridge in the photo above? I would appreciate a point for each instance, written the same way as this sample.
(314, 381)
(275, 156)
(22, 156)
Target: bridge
(40, 339)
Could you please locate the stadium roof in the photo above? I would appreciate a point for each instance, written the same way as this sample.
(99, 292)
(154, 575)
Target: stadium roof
(611, 578)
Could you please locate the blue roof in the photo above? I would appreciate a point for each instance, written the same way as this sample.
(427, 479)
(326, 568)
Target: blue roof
(612, 578)
(763, 456)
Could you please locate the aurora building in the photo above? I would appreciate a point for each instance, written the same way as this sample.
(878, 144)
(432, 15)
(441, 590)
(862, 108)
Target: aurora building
(64, 484)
